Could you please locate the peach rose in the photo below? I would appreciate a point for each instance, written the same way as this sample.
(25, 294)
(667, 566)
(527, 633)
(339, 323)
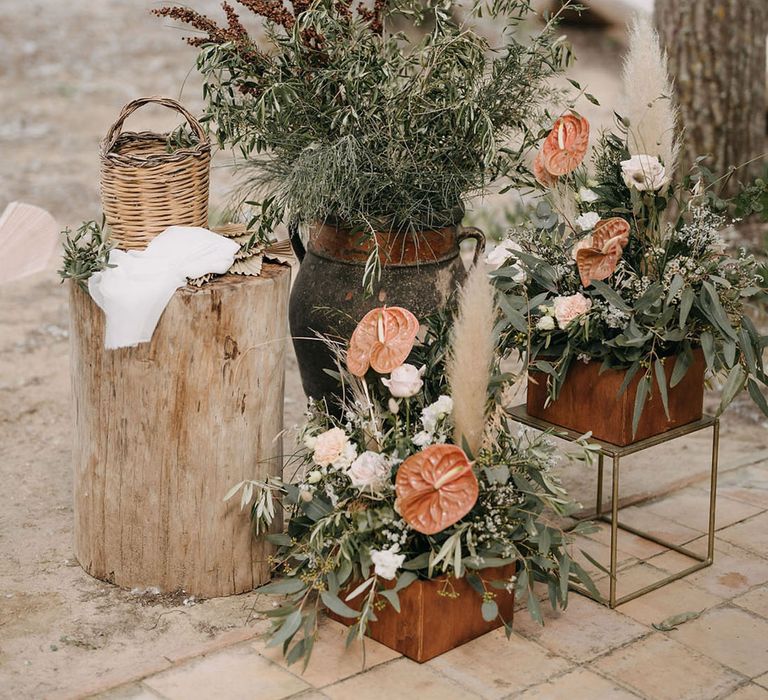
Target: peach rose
(571, 307)
(329, 446)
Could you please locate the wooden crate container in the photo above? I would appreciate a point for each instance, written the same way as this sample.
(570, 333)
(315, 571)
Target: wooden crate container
(589, 400)
(430, 624)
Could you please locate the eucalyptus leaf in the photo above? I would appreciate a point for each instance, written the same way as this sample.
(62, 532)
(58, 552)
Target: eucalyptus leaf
(393, 598)
(335, 604)
(643, 388)
(708, 346)
(674, 621)
(404, 580)
(757, 396)
(734, 383)
(420, 561)
(629, 375)
(661, 382)
(287, 629)
(362, 587)
(278, 538)
(686, 302)
(284, 586)
(682, 363)
(489, 610)
(675, 286)
(611, 295)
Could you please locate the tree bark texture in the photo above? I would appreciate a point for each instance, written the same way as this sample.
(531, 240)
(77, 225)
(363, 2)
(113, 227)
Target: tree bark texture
(717, 58)
(163, 431)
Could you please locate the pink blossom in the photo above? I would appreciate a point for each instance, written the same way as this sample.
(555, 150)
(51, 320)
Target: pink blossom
(571, 307)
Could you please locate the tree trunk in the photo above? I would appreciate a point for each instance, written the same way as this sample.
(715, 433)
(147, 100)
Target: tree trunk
(717, 59)
(162, 432)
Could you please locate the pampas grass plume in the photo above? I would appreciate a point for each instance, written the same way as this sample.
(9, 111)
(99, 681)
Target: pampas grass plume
(471, 357)
(649, 97)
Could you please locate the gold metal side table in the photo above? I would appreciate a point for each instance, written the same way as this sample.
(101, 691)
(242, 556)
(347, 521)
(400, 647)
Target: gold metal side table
(615, 452)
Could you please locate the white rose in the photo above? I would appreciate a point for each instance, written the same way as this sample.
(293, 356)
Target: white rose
(435, 411)
(330, 447)
(570, 307)
(386, 562)
(546, 323)
(587, 196)
(588, 221)
(369, 470)
(404, 381)
(500, 253)
(644, 172)
(314, 476)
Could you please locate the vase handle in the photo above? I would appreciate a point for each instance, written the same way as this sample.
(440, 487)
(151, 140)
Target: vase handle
(479, 237)
(294, 236)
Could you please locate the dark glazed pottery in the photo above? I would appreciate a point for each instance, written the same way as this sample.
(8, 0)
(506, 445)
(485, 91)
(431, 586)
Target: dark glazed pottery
(419, 271)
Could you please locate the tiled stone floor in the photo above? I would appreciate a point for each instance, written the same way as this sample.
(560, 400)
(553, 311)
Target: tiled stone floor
(587, 652)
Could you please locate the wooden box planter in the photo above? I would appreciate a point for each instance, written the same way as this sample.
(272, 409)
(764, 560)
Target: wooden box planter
(589, 400)
(430, 624)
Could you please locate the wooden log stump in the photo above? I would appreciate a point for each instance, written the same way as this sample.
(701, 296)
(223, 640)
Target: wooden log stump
(162, 432)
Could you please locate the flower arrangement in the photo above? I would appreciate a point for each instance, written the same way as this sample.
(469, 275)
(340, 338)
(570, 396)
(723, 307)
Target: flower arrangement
(624, 264)
(340, 117)
(422, 476)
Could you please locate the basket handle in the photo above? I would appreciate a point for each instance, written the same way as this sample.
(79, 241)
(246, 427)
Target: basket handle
(131, 107)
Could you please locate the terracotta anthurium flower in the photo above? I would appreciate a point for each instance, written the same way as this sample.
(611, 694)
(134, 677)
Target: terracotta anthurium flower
(598, 259)
(435, 488)
(563, 149)
(541, 173)
(383, 340)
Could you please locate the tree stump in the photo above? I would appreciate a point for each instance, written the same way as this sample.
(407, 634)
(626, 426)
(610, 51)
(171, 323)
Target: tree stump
(717, 60)
(162, 432)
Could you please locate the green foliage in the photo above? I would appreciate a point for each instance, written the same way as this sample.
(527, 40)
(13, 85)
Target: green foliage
(86, 251)
(338, 529)
(675, 288)
(338, 119)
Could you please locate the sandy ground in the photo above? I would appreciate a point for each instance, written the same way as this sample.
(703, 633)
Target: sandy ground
(67, 69)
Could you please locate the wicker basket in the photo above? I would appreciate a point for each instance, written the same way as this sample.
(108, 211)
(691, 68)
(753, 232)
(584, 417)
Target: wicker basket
(144, 187)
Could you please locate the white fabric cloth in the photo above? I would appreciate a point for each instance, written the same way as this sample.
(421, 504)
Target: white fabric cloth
(134, 293)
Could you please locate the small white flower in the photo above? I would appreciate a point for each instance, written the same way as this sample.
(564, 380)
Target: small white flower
(588, 196)
(393, 406)
(588, 221)
(314, 476)
(422, 438)
(500, 253)
(404, 381)
(305, 495)
(347, 457)
(546, 323)
(644, 172)
(386, 562)
(369, 470)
